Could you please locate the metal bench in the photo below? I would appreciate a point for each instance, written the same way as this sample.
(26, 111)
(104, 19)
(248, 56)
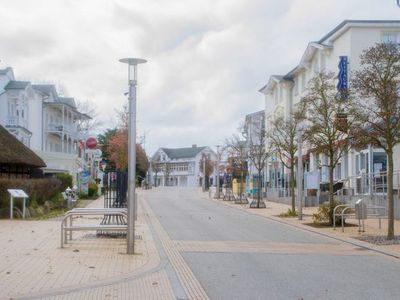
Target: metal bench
(120, 213)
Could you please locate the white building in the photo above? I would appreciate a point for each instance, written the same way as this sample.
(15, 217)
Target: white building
(282, 93)
(180, 166)
(42, 120)
(254, 126)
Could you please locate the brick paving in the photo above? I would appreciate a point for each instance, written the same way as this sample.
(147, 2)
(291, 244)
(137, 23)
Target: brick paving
(262, 247)
(34, 266)
(191, 285)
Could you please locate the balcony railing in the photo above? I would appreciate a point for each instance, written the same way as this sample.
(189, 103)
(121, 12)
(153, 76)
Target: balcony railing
(16, 121)
(56, 127)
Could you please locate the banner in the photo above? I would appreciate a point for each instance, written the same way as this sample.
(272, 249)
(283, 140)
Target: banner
(343, 74)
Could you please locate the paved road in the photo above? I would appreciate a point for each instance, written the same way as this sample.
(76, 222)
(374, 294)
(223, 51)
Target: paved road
(231, 254)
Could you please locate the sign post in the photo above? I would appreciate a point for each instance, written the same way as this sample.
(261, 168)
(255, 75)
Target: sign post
(14, 193)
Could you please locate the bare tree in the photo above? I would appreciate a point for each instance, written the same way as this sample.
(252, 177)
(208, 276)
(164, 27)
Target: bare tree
(167, 168)
(90, 120)
(326, 123)
(156, 169)
(206, 162)
(282, 141)
(236, 150)
(258, 154)
(377, 107)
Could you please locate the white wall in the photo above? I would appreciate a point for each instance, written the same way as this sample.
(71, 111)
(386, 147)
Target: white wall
(35, 120)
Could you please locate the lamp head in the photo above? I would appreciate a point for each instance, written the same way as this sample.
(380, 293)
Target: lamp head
(133, 61)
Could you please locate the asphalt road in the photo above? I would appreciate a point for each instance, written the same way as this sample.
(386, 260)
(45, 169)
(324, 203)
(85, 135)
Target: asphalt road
(237, 255)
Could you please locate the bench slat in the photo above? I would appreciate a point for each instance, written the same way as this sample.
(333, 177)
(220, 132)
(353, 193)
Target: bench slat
(96, 227)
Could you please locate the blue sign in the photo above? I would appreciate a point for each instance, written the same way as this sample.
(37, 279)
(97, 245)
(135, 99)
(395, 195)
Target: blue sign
(343, 74)
(85, 177)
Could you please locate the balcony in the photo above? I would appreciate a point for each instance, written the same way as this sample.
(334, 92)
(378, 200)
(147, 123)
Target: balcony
(59, 128)
(55, 128)
(16, 122)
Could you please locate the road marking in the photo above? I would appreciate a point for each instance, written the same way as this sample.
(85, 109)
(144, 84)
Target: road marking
(191, 285)
(265, 247)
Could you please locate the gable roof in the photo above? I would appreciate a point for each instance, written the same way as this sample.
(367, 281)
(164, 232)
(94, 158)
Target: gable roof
(12, 151)
(16, 85)
(178, 153)
(48, 89)
(5, 71)
(359, 23)
(272, 81)
(67, 100)
(325, 43)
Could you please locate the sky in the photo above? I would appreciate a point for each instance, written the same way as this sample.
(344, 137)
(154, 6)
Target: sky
(207, 59)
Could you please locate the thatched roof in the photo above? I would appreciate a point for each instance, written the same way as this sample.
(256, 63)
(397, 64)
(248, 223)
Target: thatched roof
(12, 151)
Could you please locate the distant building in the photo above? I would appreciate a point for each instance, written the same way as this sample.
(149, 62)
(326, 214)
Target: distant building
(180, 166)
(254, 126)
(44, 121)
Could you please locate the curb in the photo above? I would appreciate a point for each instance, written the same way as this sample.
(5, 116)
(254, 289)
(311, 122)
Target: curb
(351, 241)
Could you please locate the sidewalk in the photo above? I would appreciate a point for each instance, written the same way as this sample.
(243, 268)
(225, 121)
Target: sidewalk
(350, 233)
(34, 266)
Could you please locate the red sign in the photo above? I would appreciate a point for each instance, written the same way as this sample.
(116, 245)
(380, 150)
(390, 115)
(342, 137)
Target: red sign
(91, 143)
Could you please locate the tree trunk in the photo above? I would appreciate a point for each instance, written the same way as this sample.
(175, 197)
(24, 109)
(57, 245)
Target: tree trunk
(259, 189)
(331, 189)
(241, 184)
(390, 199)
(292, 188)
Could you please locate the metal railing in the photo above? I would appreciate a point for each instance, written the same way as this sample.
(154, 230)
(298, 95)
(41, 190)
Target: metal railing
(372, 189)
(17, 121)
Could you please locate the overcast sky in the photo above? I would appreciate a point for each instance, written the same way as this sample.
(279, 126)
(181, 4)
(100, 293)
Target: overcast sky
(207, 59)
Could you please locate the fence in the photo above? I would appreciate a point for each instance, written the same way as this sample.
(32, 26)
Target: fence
(283, 195)
(115, 189)
(371, 187)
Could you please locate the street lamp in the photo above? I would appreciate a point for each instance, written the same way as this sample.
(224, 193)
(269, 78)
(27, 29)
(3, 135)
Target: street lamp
(204, 174)
(217, 193)
(132, 82)
(300, 170)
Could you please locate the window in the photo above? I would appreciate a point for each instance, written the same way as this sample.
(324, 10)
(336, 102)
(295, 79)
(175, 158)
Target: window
(303, 81)
(323, 62)
(390, 37)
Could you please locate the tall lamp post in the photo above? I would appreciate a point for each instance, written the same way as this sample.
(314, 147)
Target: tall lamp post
(300, 171)
(217, 193)
(132, 82)
(204, 174)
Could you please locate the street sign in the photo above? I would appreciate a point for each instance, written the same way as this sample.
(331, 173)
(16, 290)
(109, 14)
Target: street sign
(17, 193)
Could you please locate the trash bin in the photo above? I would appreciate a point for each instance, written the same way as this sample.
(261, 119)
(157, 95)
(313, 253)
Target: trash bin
(361, 210)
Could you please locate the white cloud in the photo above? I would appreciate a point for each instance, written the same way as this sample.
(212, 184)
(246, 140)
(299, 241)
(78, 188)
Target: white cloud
(207, 58)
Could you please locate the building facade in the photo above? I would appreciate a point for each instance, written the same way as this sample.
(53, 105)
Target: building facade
(254, 133)
(44, 121)
(180, 166)
(339, 50)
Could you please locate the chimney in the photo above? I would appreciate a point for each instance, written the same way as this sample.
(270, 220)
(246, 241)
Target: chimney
(194, 146)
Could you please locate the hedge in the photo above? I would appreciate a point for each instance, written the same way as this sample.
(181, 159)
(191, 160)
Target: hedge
(38, 190)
